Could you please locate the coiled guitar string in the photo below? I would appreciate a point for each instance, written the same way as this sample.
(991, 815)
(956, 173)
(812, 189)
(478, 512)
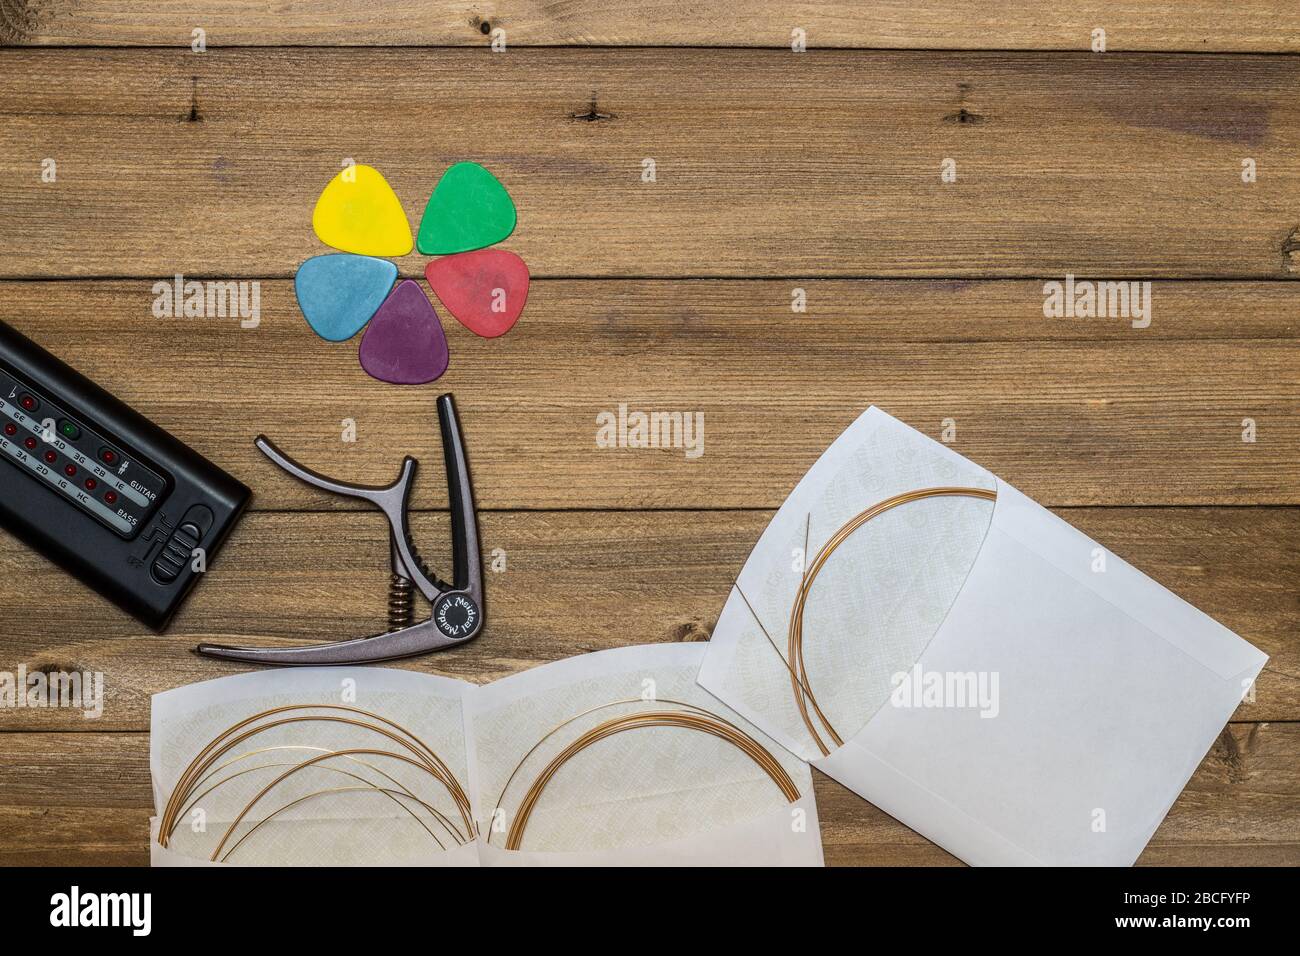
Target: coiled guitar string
(216, 748)
(371, 788)
(795, 663)
(296, 768)
(404, 791)
(578, 716)
(396, 796)
(200, 769)
(266, 750)
(695, 719)
(800, 679)
(200, 761)
(437, 770)
(414, 741)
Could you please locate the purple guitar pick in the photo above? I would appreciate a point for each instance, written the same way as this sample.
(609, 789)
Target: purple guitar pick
(404, 343)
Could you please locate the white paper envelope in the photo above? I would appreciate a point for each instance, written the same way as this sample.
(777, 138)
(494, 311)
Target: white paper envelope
(351, 803)
(1001, 683)
(650, 793)
(272, 768)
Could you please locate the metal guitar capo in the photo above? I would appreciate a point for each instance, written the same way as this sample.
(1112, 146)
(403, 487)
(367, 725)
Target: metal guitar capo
(458, 609)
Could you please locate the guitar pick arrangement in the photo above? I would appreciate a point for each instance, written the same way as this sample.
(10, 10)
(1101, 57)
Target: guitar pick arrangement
(341, 293)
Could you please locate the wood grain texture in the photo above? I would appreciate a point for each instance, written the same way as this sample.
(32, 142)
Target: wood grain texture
(817, 171)
(768, 163)
(1073, 412)
(1189, 25)
(574, 582)
(85, 799)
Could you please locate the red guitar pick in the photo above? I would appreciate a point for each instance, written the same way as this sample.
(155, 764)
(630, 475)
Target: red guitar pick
(485, 290)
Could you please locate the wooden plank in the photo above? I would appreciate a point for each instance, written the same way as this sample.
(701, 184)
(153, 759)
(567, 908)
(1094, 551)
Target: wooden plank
(85, 799)
(1072, 411)
(1191, 25)
(767, 163)
(573, 582)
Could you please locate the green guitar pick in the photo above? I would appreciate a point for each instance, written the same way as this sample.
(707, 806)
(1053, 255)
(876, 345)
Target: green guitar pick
(469, 209)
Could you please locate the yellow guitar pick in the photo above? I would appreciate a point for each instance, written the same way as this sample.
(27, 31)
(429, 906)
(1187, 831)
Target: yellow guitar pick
(359, 212)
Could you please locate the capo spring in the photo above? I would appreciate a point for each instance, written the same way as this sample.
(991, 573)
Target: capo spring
(401, 602)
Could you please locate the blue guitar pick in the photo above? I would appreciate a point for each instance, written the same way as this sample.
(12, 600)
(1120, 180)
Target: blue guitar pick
(338, 293)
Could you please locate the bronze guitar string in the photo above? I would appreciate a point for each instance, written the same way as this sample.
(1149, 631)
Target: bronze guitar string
(266, 750)
(438, 770)
(310, 762)
(578, 716)
(801, 679)
(208, 755)
(424, 759)
(395, 795)
(167, 828)
(199, 764)
(555, 730)
(414, 741)
(701, 721)
(371, 788)
(798, 670)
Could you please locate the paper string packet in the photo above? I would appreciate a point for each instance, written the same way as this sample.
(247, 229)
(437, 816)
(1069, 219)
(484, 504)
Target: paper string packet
(967, 661)
(610, 758)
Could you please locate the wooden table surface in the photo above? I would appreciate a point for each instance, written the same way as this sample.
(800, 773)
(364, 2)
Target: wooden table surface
(775, 171)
